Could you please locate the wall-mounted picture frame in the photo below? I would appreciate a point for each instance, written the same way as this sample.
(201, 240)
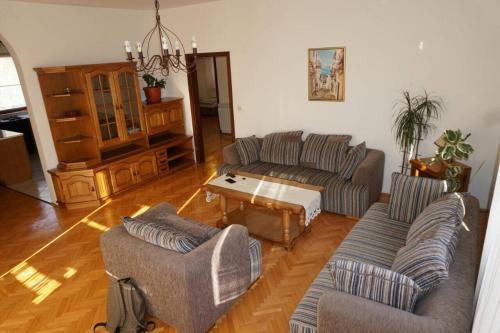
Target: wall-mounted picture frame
(326, 74)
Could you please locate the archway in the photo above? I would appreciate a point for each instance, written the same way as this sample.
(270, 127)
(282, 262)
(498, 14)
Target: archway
(23, 172)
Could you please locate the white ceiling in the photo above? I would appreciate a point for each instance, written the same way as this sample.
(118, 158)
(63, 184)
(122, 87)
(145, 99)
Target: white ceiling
(124, 4)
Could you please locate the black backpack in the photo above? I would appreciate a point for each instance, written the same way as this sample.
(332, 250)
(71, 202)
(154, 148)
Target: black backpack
(126, 309)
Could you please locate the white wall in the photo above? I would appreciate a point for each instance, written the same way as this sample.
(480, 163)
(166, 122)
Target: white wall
(268, 42)
(487, 317)
(206, 79)
(50, 35)
(222, 80)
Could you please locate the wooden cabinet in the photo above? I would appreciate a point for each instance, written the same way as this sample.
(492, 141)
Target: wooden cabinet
(163, 116)
(75, 187)
(106, 139)
(116, 104)
(133, 171)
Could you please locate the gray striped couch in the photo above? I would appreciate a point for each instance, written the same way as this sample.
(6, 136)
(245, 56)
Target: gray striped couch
(346, 197)
(375, 239)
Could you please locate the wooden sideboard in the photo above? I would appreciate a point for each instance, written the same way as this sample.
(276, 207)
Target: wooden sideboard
(107, 141)
(424, 168)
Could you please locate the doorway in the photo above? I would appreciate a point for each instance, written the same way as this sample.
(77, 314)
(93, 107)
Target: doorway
(211, 100)
(21, 169)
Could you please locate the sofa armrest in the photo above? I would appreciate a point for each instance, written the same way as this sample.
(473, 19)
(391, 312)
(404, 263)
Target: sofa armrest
(343, 312)
(230, 154)
(179, 288)
(371, 173)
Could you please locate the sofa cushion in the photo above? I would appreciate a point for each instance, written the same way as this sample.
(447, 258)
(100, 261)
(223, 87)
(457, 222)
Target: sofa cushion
(427, 262)
(345, 197)
(445, 212)
(248, 148)
(352, 160)
(410, 195)
(161, 234)
(375, 239)
(282, 148)
(374, 283)
(332, 155)
(313, 146)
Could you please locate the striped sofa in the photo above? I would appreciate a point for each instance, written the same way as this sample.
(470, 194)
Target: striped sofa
(347, 197)
(375, 240)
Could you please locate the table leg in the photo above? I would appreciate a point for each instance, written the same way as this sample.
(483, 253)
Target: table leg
(223, 208)
(302, 220)
(286, 229)
(242, 205)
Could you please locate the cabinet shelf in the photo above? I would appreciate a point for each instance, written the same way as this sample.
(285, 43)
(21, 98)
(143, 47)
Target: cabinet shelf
(177, 153)
(68, 119)
(65, 94)
(179, 163)
(76, 139)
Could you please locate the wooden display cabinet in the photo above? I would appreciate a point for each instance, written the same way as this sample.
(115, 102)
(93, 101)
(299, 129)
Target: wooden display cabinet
(106, 140)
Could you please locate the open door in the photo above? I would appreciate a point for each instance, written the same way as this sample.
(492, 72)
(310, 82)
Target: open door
(210, 94)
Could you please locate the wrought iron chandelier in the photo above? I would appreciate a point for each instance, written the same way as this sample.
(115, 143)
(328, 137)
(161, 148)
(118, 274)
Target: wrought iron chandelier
(167, 61)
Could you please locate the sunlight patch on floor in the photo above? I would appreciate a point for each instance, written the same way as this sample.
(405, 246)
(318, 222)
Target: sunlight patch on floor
(188, 201)
(35, 281)
(70, 271)
(95, 225)
(141, 210)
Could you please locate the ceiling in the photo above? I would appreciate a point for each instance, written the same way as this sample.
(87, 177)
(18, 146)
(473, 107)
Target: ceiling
(123, 4)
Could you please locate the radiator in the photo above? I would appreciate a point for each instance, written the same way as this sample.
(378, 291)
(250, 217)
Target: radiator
(225, 118)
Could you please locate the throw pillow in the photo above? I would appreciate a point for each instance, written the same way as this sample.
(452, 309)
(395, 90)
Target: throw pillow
(313, 146)
(410, 195)
(374, 283)
(282, 148)
(160, 234)
(333, 154)
(445, 213)
(248, 148)
(353, 159)
(426, 262)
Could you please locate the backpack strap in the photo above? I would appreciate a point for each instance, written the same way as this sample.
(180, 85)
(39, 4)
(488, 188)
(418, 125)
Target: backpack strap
(127, 297)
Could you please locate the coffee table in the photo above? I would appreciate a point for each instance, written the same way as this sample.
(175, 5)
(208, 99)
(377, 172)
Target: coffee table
(271, 208)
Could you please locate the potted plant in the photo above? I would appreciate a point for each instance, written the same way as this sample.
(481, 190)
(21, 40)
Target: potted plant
(153, 88)
(413, 123)
(452, 147)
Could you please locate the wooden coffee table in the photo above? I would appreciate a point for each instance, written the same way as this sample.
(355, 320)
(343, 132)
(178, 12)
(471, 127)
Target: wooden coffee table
(266, 217)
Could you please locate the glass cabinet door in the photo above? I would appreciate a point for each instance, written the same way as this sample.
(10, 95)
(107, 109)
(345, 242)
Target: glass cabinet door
(104, 106)
(129, 102)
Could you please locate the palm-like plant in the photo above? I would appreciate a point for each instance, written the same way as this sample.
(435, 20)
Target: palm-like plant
(413, 122)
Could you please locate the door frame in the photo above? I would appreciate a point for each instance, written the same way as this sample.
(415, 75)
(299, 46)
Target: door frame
(195, 105)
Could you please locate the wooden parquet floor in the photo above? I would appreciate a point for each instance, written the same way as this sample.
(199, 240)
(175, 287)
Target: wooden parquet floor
(52, 277)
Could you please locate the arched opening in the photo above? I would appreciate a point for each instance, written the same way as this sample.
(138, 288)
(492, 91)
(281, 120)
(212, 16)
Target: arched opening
(22, 170)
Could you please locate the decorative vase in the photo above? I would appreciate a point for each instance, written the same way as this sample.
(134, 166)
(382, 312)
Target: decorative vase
(153, 94)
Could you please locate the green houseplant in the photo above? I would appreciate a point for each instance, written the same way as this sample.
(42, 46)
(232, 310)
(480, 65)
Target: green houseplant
(452, 147)
(153, 88)
(413, 122)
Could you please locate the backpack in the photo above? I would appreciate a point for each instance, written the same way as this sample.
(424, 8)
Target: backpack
(126, 309)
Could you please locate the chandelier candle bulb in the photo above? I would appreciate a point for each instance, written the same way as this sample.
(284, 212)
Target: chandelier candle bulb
(128, 48)
(193, 43)
(139, 47)
(164, 43)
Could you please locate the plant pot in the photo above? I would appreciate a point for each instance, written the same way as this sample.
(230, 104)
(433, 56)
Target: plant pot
(153, 94)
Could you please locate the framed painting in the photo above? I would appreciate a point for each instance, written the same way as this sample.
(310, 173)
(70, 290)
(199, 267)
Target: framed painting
(326, 74)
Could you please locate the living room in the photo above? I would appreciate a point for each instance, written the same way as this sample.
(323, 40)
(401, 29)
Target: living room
(51, 252)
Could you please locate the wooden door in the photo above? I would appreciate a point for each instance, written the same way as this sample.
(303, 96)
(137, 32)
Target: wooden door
(157, 119)
(105, 107)
(78, 188)
(122, 176)
(146, 168)
(176, 113)
(129, 102)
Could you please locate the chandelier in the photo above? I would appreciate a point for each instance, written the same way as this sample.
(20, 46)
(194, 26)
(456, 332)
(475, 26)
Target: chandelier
(167, 61)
